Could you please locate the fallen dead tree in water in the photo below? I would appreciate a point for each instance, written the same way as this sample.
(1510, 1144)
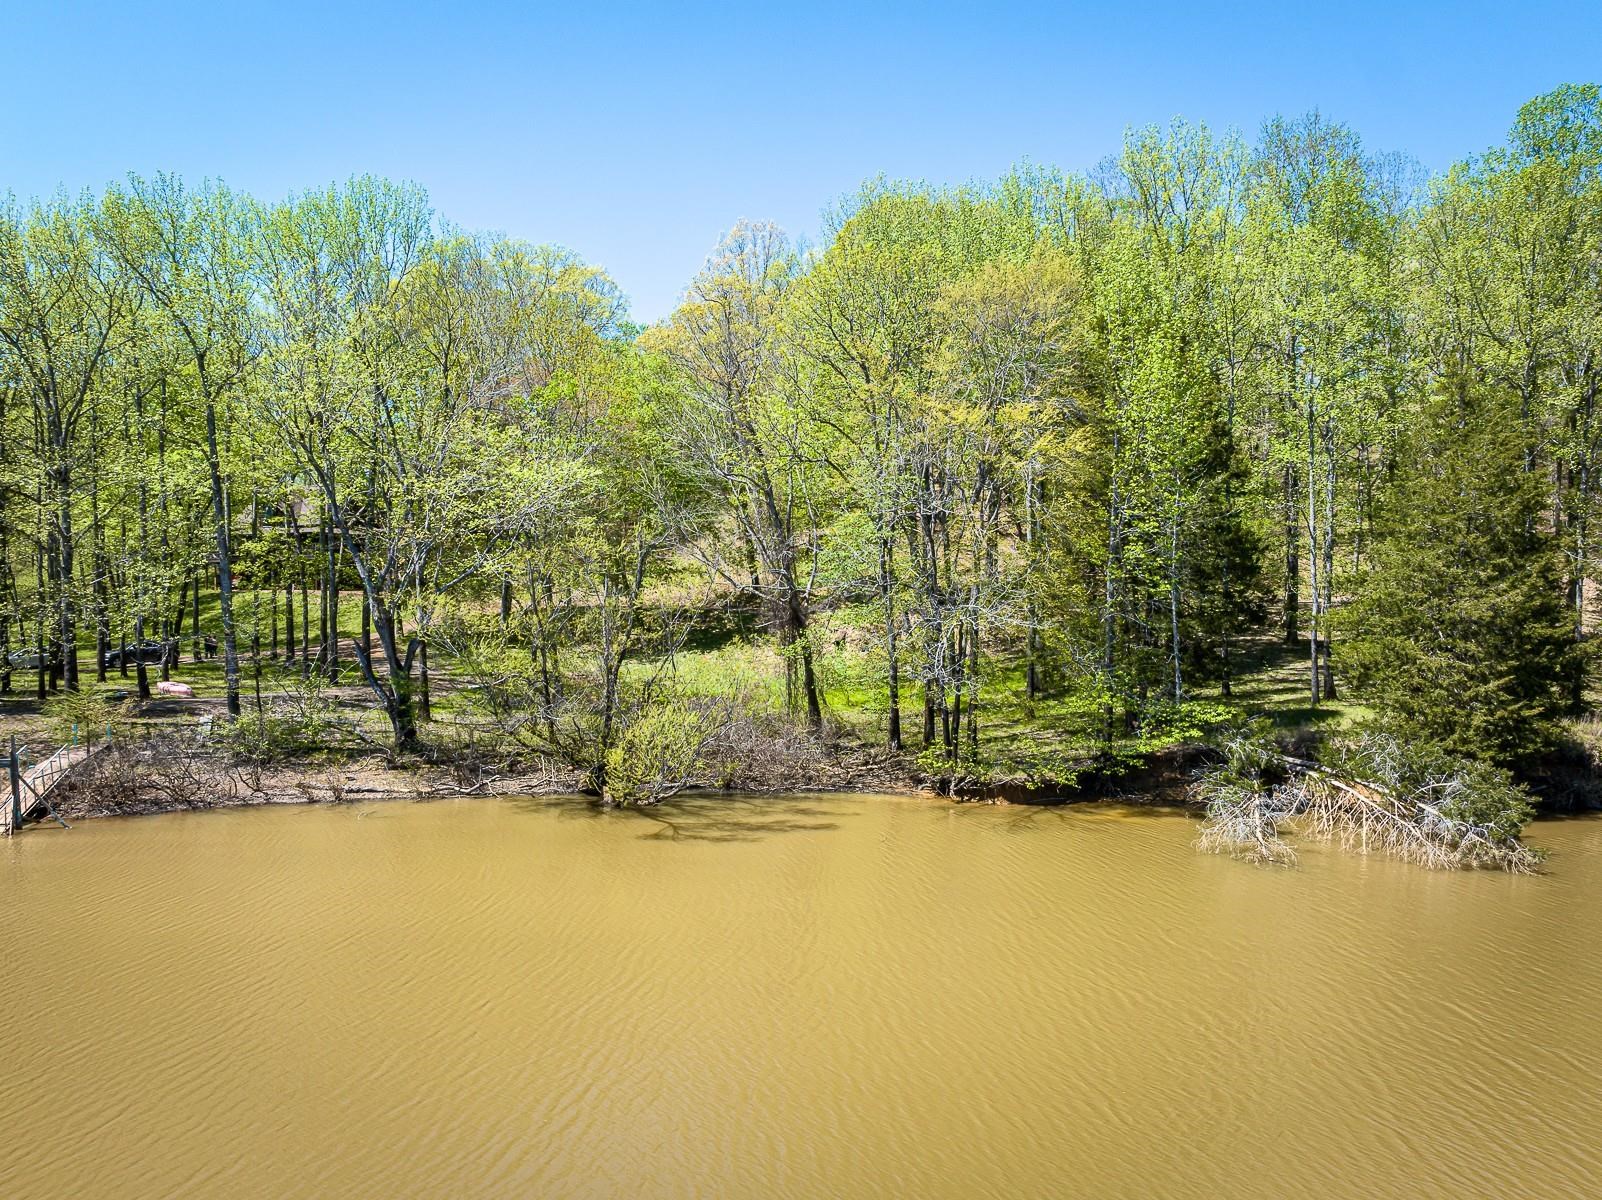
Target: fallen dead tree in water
(1378, 797)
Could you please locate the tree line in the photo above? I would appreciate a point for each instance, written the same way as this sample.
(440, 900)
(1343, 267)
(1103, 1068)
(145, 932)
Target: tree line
(1088, 438)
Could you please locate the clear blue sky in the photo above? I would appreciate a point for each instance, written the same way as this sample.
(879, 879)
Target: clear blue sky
(636, 134)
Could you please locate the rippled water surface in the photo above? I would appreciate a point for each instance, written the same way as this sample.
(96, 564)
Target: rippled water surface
(808, 997)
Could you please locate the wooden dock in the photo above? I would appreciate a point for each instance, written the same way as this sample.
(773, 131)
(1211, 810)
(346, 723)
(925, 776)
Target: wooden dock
(31, 785)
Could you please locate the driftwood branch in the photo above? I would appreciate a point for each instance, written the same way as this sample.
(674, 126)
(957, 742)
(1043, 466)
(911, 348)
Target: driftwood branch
(1256, 797)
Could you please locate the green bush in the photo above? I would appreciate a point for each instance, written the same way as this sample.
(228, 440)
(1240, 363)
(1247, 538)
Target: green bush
(299, 723)
(84, 715)
(657, 754)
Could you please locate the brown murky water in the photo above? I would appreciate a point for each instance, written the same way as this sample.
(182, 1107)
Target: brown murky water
(785, 998)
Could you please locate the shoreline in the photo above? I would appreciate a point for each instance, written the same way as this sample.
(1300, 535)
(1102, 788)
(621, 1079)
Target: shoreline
(357, 795)
(156, 778)
(149, 783)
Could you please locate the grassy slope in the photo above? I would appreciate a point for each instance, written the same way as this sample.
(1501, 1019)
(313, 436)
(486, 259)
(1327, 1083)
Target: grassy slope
(1020, 740)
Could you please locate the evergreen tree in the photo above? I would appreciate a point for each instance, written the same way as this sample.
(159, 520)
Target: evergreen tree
(1459, 636)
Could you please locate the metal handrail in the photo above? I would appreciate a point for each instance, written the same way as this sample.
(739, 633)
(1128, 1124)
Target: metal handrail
(37, 790)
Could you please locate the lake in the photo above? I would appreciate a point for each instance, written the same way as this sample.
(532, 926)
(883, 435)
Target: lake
(783, 997)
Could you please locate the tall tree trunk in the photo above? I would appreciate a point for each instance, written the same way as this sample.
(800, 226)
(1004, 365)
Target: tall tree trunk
(1109, 600)
(395, 691)
(7, 601)
(225, 566)
(169, 657)
(1174, 647)
(799, 635)
(333, 606)
(42, 613)
(887, 600)
(141, 671)
(324, 583)
(65, 560)
(425, 707)
(1293, 566)
(289, 617)
(1326, 673)
(1314, 627)
(973, 696)
(97, 566)
(53, 621)
(1034, 502)
(197, 645)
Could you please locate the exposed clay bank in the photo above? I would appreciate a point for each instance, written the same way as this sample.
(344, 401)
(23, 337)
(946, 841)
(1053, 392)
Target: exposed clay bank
(823, 995)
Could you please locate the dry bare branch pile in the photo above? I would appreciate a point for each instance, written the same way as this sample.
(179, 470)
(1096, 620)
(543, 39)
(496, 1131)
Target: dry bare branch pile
(1256, 796)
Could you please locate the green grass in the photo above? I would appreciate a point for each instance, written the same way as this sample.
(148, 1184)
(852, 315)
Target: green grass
(1272, 680)
(724, 658)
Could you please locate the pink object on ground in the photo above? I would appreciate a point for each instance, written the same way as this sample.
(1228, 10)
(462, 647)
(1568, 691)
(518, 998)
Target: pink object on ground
(168, 688)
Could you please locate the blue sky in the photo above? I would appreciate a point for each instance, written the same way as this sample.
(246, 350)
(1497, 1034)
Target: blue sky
(636, 134)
